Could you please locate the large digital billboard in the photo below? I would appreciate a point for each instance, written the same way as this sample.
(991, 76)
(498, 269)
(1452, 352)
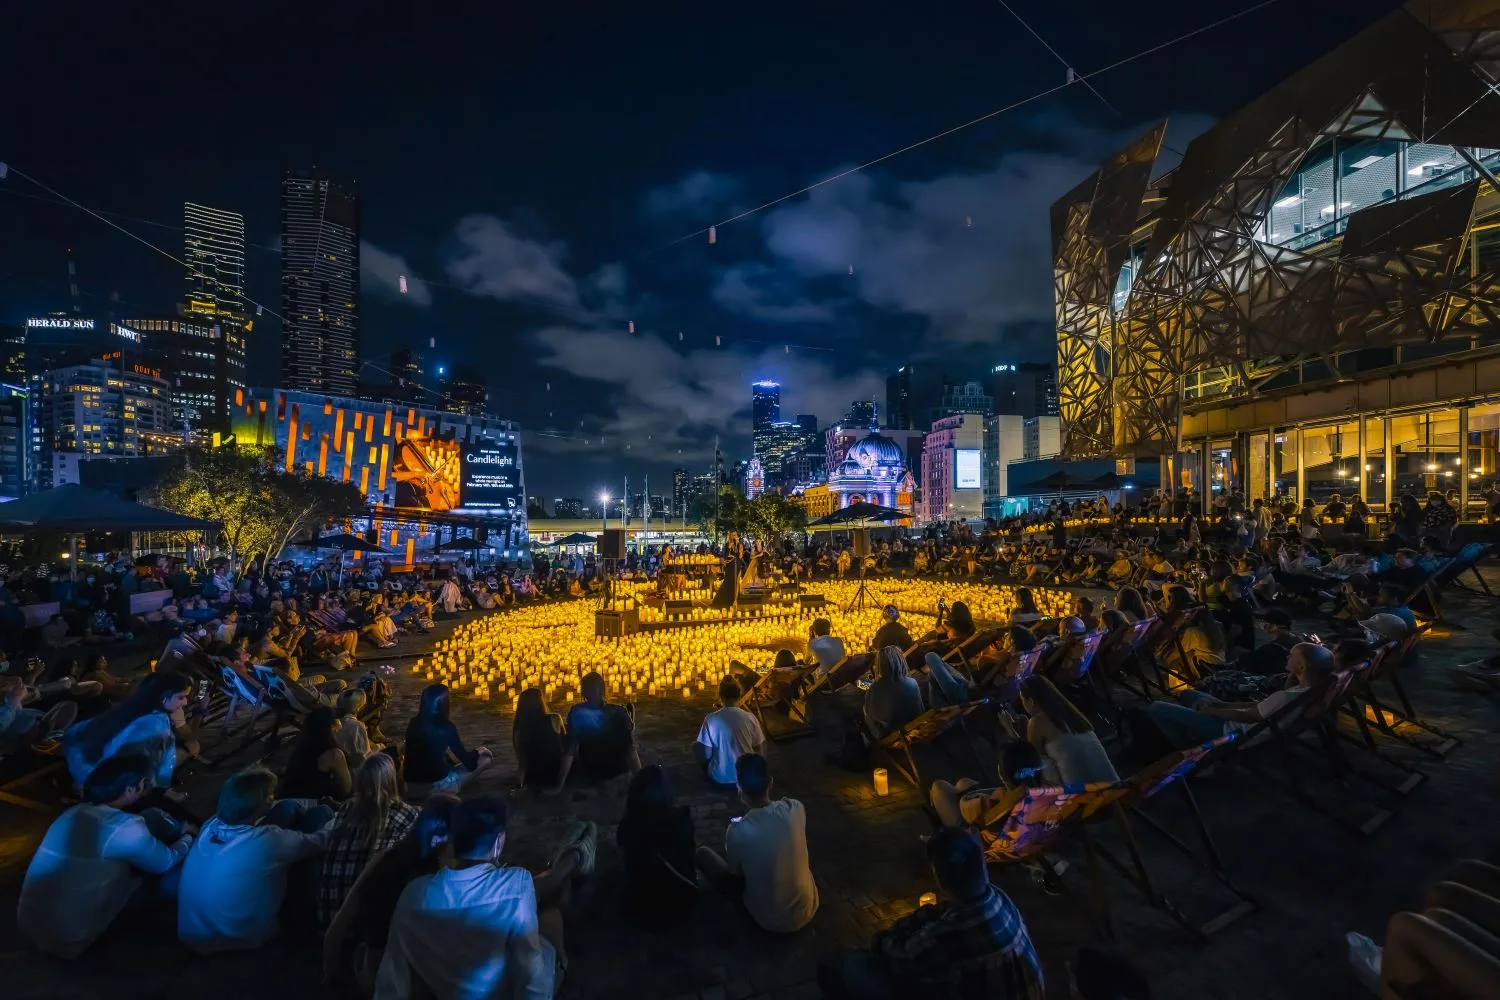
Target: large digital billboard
(966, 469)
(491, 477)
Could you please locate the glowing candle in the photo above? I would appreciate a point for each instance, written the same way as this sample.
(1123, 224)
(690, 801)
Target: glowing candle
(882, 779)
(927, 899)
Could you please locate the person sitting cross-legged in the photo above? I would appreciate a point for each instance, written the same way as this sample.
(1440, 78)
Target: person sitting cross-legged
(436, 759)
(727, 733)
(477, 928)
(236, 875)
(655, 837)
(971, 945)
(98, 859)
(765, 863)
(601, 737)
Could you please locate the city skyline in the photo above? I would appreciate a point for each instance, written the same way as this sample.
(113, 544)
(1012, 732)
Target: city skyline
(543, 270)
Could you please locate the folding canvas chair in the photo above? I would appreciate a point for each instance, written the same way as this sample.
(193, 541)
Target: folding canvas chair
(1115, 659)
(1281, 738)
(1431, 588)
(1010, 687)
(926, 728)
(1172, 771)
(964, 653)
(1040, 823)
(1473, 568)
(1349, 706)
(1400, 721)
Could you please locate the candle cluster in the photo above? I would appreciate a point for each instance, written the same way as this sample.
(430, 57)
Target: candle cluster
(552, 646)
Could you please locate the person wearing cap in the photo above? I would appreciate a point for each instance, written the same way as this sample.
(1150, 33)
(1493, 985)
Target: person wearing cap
(892, 632)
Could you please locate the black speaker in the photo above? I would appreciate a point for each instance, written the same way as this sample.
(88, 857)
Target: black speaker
(861, 542)
(612, 544)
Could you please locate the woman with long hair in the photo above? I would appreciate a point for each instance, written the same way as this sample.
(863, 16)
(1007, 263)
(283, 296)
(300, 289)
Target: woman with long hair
(1131, 604)
(536, 735)
(317, 768)
(1025, 612)
(370, 822)
(356, 936)
(436, 759)
(1071, 751)
(656, 843)
(893, 699)
(141, 723)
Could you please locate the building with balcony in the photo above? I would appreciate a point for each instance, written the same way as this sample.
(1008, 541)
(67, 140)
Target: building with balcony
(1307, 303)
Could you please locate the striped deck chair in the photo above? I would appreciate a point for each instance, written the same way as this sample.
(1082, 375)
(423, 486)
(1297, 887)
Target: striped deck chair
(1040, 823)
(1172, 771)
(1007, 688)
(965, 653)
(1349, 707)
(926, 728)
(1426, 598)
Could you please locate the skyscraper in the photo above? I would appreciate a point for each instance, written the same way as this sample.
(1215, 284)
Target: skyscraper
(765, 404)
(1028, 389)
(465, 390)
(320, 222)
(215, 256)
(765, 413)
(913, 397)
(679, 492)
(863, 413)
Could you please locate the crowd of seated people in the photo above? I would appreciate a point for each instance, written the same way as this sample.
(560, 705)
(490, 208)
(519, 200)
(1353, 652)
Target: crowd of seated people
(366, 841)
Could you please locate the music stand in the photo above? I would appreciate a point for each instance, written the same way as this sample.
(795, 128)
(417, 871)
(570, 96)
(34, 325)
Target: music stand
(861, 552)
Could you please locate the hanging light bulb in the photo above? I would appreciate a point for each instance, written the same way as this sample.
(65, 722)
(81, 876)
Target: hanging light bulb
(713, 235)
(403, 284)
(259, 309)
(788, 348)
(851, 270)
(718, 342)
(968, 222)
(632, 326)
(679, 336)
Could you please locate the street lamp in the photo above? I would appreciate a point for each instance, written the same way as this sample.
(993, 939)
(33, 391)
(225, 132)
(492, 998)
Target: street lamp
(604, 511)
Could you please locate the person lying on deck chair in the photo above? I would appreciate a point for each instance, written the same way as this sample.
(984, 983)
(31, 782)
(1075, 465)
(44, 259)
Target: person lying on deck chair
(1200, 717)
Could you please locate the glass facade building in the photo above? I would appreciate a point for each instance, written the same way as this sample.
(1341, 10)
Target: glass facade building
(1307, 304)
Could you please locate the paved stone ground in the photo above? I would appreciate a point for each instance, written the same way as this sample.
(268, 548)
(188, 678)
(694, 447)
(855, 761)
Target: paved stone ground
(1313, 880)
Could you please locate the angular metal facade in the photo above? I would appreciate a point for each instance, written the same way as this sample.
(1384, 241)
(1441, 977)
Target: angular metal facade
(1207, 286)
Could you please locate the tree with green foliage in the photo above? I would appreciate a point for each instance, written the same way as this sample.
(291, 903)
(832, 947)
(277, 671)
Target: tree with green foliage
(262, 507)
(771, 517)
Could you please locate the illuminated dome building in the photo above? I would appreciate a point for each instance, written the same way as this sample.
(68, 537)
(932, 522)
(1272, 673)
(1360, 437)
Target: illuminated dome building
(873, 470)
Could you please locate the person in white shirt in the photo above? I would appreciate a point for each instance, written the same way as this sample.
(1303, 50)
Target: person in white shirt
(475, 930)
(95, 858)
(826, 649)
(727, 734)
(351, 736)
(765, 862)
(235, 878)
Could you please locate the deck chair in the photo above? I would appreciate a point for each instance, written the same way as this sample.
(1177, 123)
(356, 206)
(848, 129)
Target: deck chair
(237, 693)
(1040, 823)
(1275, 749)
(1431, 588)
(1473, 568)
(964, 653)
(926, 728)
(1009, 687)
(1400, 721)
(1172, 771)
(1350, 708)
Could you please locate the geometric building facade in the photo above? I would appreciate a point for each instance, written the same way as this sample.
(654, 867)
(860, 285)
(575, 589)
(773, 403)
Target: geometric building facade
(1308, 254)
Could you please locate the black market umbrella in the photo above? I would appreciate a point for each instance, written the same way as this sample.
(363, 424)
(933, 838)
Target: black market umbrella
(576, 538)
(461, 545)
(1108, 481)
(74, 508)
(346, 543)
(1060, 480)
(859, 515)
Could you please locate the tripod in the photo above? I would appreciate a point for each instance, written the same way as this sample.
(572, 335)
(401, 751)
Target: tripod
(862, 596)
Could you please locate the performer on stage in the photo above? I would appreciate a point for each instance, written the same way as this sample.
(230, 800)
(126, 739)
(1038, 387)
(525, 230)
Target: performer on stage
(733, 563)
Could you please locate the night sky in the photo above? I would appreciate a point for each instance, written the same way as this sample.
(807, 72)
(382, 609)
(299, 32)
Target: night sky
(535, 162)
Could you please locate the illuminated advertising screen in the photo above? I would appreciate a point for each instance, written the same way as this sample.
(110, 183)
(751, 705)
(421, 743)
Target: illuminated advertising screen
(966, 469)
(491, 478)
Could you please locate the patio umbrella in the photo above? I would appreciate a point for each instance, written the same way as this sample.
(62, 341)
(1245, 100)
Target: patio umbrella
(860, 515)
(461, 545)
(346, 543)
(74, 508)
(576, 538)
